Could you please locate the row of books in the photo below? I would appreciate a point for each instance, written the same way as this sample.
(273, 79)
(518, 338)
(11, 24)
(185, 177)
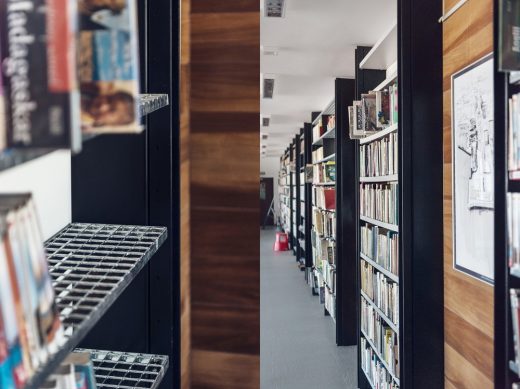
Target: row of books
(329, 274)
(514, 137)
(515, 317)
(383, 292)
(317, 155)
(324, 172)
(76, 372)
(384, 339)
(374, 369)
(380, 202)
(325, 123)
(375, 111)
(324, 197)
(324, 223)
(30, 326)
(68, 67)
(381, 246)
(379, 158)
(323, 250)
(330, 302)
(513, 228)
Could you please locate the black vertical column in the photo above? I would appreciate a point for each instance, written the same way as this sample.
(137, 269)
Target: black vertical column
(347, 227)
(421, 321)
(297, 210)
(163, 176)
(307, 131)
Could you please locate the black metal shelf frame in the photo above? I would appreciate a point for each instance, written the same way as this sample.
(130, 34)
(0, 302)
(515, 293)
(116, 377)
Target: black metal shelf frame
(122, 370)
(90, 266)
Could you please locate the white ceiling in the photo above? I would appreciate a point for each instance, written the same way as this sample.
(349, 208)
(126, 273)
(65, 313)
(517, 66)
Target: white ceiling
(315, 43)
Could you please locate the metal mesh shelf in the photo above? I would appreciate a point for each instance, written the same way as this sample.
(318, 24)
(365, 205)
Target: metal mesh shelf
(127, 370)
(151, 102)
(91, 265)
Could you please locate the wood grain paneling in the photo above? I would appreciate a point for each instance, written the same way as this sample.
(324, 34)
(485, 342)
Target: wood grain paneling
(184, 146)
(222, 132)
(468, 320)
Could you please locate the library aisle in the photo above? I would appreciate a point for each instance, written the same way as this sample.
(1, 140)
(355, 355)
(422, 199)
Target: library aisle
(297, 341)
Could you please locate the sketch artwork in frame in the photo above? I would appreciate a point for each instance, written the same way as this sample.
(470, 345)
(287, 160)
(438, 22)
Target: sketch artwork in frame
(472, 137)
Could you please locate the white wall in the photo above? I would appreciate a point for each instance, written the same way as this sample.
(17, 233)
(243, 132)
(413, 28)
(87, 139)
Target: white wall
(271, 166)
(48, 179)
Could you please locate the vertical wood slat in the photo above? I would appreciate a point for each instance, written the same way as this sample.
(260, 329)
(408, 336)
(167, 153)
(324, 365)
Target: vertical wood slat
(467, 36)
(220, 110)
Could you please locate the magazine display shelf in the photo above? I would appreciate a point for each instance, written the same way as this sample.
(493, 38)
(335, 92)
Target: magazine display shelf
(91, 265)
(127, 370)
(10, 158)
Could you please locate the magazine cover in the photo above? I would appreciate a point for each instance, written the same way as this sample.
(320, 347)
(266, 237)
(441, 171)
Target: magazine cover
(38, 49)
(368, 102)
(108, 66)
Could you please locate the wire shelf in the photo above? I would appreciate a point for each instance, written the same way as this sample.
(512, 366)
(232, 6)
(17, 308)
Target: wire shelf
(127, 370)
(91, 265)
(149, 103)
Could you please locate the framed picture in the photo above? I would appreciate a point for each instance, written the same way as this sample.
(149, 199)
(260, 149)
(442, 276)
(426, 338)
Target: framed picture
(472, 136)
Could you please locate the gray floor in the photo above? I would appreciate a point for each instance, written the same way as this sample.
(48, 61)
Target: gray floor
(297, 342)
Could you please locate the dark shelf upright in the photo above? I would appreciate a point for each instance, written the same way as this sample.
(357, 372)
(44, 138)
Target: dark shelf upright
(421, 245)
(346, 218)
(307, 132)
(504, 352)
(297, 208)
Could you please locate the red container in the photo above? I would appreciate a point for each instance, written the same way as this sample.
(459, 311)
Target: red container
(282, 242)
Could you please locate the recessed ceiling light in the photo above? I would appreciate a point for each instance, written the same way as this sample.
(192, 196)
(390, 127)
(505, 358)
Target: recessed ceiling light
(274, 8)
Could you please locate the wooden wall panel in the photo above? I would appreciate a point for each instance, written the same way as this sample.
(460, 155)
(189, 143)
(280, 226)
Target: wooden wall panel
(468, 303)
(222, 132)
(184, 100)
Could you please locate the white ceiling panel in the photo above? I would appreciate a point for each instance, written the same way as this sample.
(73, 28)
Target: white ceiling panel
(315, 43)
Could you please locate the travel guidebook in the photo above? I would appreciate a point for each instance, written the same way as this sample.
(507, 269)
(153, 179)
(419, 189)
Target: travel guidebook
(108, 66)
(39, 73)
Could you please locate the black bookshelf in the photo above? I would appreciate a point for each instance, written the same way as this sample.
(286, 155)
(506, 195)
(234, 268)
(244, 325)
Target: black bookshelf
(346, 217)
(307, 133)
(506, 369)
(420, 226)
(134, 179)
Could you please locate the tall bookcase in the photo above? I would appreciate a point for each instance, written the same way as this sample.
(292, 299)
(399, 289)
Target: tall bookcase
(334, 275)
(506, 367)
(415, 43)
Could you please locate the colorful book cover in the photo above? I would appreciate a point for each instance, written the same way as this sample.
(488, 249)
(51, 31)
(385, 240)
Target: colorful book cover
(49, 323)
(6, 375)
(368, 103)
(12, 333)
(83, 365)
(38, 49)
(108, 66)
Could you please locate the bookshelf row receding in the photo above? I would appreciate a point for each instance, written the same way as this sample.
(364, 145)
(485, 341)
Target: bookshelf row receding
(90, 266)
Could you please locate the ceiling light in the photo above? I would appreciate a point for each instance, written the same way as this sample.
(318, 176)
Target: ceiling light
(268, 88)
(274, 8)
